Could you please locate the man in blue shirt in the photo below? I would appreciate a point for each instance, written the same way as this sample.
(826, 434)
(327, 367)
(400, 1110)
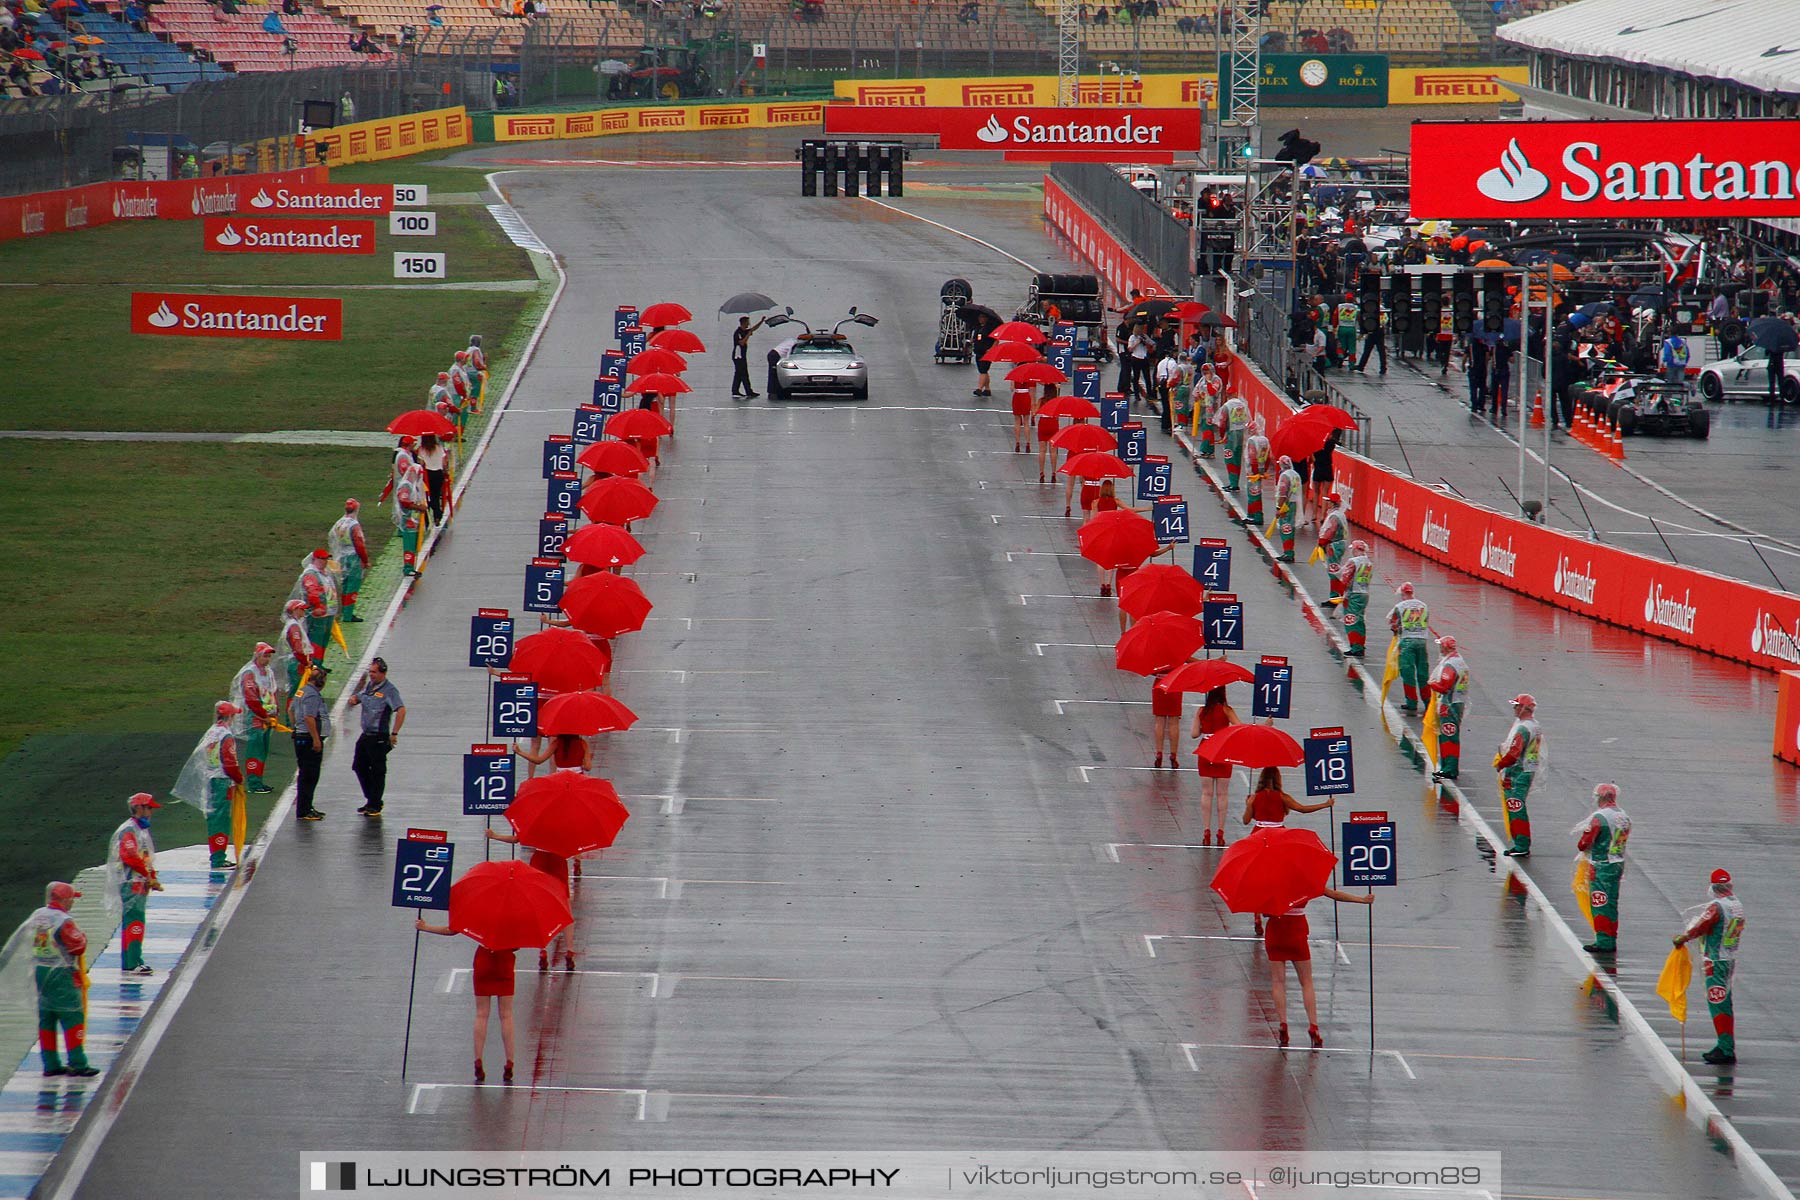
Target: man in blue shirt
(383, 713)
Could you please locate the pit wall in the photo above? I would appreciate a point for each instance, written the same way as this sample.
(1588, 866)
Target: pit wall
(1698, 609)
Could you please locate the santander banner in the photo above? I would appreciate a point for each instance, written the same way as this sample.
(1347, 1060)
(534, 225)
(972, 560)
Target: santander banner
(150, 200)
(1121, 134)
(285, 318)
(257, 235)
(359, 199)
(1503, 169)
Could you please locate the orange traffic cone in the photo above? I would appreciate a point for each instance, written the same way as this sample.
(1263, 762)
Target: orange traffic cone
(1537, 411)
(1579, 430)
(1615, 447)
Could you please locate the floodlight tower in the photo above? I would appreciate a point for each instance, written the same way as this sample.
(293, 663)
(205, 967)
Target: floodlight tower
(1068, 53)
(1238, 115)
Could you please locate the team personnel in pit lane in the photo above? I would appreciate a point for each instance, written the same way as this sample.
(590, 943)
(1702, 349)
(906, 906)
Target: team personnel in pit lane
(350, 552)
(1209, 392)
(1355, 572)
(207, 779)
(1289, 494)
(1256, 473)
(1517, 762)
(57, 947)
(1720, 926)
(1232, 422)
(131, 874)
(1601, 839)
(410, 506)
(1451, 683)
(478, 370)
(253, 691)
(1410, 621)
(1334, 535)
(296, 649)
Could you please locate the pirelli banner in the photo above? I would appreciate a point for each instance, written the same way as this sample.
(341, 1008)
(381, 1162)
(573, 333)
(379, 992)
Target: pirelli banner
(394, 137)
(676, 118)
(1474, 84)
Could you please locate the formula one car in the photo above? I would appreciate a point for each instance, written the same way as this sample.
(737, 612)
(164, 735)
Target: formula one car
(1657, 406)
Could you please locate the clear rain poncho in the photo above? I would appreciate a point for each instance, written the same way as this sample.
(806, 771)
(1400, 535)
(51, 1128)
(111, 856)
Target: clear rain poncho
(266, 686)
(192, 786)
(328, 585)
(119, 881)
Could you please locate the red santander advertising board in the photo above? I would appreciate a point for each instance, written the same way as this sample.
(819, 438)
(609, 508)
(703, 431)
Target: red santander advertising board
(315, 199)
(1613, 169)
(284, 318)
(259, 235)
(1120, 134)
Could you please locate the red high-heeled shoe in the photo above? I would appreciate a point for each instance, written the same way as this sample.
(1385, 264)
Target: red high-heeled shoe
(1318, 1039)
(1281, 1039)
(480, 1072)
(506, 1075)
(568, 960)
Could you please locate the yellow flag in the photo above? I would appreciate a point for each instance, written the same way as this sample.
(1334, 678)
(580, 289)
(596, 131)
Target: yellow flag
(1318, 554)
(238, 819)
(1505, 813)
(1581, 885)
(337, 635)
(1391, 671)
(1429, 730)
(1672, 984)
(81, 978)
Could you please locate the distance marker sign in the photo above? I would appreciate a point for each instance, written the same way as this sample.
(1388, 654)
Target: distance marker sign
(1330, 768)
(422, 867)
(487, 779)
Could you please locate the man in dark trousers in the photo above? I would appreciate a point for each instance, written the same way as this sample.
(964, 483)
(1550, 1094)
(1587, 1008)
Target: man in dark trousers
(1374, 342)
(1502, 377)
(383, 713)
(1478, 376)
(311, 719)
(740, 357)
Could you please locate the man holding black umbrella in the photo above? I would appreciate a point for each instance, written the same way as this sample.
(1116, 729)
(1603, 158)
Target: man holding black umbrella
(740, 357)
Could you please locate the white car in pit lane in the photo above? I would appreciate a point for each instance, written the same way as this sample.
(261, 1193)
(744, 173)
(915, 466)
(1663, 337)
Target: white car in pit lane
(1747, 375)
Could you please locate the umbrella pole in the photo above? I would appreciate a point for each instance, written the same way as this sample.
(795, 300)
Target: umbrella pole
(1337, 934)
(487, 843)
(487, 708)
(412, 984)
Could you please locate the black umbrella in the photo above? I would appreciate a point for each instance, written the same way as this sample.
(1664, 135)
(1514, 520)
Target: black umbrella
(973, 315)
(1355, 245)
(1774, 335)
(1597, 308)
(1652, 295)
(747, 302)
(1151, 310)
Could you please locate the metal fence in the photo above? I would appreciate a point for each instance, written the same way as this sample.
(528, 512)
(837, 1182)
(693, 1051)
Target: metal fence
(1158, 239)
(68, 140)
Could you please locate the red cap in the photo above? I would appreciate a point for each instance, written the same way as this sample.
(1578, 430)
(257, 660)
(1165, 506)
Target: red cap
(58, 894)
(408, 440)
(264, 648)
(226, 708)
(352, 504)
(142, 800)
(291, 605)
(1524, 700)
(1721, 876)
(321, 552)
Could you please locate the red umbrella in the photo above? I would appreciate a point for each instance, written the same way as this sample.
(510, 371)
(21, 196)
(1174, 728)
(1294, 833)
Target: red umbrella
(1019, 331)
(607, 605)
(583, 714)
(1190, 310)
(1158, 642)
(602, 546)
(1202, 676)
(1095, 464)
(655, 359)
(1251, 746)
(617, 500)
(28, 53)
(1119, 538)
(1161, 587)
(681, 341)
(660, 383)
(567, 813)
(1273, 870)
(421, 421)
(1035, 372)
(1077, 438)
(1297, 439)
(1013, 352)
(562, 660)
(614, 458)
(664, 314)
(638, 422)
(509, 905)
(1332, 415)
(1070, 406)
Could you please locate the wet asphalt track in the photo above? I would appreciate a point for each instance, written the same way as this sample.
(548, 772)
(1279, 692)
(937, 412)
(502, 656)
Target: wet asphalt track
(869, 897)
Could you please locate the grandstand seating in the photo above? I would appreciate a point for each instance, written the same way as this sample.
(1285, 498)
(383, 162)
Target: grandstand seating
(239, 42)
(1393, 27)
(570, 22)
(1015, 28)
(145, 59)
